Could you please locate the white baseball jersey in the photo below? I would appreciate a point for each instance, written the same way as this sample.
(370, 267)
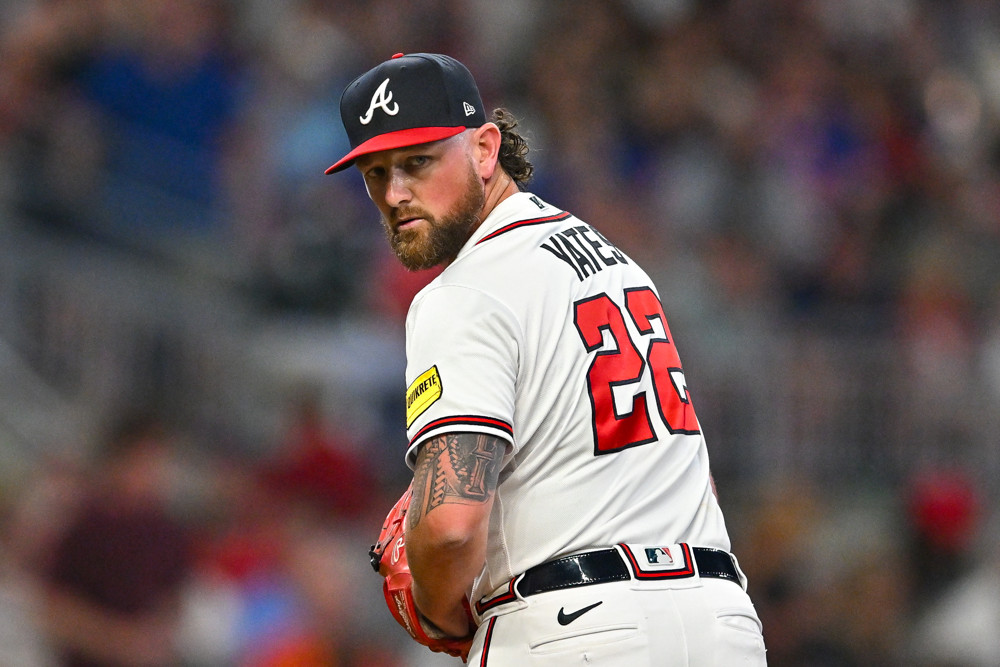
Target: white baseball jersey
(543, 333)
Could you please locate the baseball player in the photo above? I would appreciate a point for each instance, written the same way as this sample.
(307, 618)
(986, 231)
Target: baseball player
(561, 510)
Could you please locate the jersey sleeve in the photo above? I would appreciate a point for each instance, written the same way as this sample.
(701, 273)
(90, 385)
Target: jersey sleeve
(461, 366)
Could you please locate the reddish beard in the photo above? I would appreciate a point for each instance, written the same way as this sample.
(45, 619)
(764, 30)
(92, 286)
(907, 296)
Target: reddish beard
(444, 237)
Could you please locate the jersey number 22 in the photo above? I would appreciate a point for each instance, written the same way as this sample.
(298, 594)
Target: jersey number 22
(622, 361)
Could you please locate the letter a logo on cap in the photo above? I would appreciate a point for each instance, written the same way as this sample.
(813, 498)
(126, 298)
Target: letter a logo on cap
(381, 100)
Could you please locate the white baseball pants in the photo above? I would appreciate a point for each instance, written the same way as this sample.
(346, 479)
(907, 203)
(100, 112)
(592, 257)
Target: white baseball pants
(696, 622)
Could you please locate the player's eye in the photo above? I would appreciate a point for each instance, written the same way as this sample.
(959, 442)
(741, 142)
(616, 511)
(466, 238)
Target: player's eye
(374, 174)
(417, 161)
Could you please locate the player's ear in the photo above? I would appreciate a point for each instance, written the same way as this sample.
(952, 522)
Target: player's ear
(486, 149)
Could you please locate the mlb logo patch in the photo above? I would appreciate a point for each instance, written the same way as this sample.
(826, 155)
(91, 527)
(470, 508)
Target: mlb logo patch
(663, 561)
(659, 556)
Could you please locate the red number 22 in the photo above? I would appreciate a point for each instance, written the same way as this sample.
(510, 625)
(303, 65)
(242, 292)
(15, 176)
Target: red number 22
(621, 362)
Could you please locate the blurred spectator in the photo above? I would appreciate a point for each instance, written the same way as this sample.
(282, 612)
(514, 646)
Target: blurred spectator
(133, 109)
(392, 287)
(944, 518)
(961, 629)
(298, 257)
(35, 515)
(278, 583)
(164, 86)
(790, 602)
(244, 605)
(111, 589)
(318, 463)
(955, 610)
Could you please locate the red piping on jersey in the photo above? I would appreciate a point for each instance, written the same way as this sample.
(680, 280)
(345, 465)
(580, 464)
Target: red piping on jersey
(688, 570)
(466, 420)
(507, 596)
(562, 215)
(487, 640)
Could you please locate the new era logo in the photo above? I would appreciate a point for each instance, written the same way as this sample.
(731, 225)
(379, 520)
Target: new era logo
(469, 109)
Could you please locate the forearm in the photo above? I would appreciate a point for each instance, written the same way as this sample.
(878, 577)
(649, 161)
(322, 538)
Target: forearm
(446, 531)
(443, 571)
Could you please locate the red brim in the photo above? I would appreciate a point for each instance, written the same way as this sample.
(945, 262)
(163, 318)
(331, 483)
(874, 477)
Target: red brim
(398, 139)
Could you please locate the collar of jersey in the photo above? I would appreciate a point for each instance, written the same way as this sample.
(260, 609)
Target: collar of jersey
(502, 220)
(510, 211)
(507, 211)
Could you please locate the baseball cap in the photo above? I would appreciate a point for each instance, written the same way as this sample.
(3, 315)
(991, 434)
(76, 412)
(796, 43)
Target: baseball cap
(408, 100)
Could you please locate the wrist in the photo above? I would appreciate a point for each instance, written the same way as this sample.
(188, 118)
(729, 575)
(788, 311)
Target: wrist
(454, 621)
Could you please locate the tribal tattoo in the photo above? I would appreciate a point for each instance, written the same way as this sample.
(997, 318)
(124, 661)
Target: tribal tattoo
(460, 468)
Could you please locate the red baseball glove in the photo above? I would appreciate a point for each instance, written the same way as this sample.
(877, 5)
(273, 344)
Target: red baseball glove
(388, 558)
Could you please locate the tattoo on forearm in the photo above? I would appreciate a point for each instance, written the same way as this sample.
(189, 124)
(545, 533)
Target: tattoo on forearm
(456, 468)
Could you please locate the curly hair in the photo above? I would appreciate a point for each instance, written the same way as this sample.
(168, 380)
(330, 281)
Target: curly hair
(513, 148)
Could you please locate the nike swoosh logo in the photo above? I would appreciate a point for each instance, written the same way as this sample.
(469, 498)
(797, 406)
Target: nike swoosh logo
(566, 619)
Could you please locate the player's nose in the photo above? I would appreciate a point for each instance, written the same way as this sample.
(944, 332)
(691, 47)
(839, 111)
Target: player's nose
(397, 190)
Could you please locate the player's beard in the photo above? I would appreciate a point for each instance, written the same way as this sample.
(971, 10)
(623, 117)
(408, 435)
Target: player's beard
(444, 236)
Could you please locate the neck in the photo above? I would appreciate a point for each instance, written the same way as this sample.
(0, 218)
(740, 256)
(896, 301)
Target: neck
(498, 188)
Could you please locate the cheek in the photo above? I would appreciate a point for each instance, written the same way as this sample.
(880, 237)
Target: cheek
(377, 195)
(441, 195)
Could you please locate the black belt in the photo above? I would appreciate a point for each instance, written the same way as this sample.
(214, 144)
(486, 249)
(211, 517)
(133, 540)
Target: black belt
(606, 565)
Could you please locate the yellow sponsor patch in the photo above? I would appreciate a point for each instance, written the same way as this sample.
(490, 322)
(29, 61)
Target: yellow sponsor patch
(422, 393)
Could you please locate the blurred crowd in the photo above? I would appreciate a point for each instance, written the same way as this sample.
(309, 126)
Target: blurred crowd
(828, 169)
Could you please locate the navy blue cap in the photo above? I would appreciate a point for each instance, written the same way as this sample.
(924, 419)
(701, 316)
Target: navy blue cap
(408, 100)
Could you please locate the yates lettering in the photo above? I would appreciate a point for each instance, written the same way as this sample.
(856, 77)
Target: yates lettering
(380, 100)
(584, 248)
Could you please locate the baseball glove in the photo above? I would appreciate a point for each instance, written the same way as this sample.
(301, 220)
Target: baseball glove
(388, 558)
